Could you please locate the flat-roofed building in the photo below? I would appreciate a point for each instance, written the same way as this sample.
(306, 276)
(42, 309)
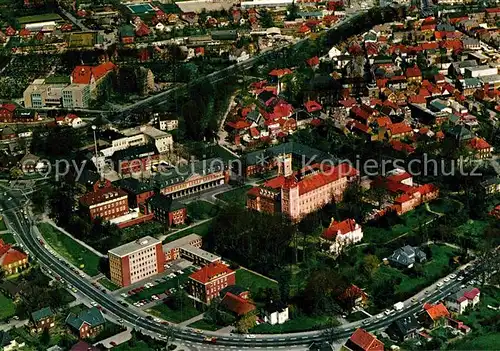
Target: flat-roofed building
(172, 249)
(136, 261)
(39, 94)
(198, 256)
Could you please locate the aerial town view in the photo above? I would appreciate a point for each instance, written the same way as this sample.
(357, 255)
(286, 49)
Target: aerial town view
(199, 175)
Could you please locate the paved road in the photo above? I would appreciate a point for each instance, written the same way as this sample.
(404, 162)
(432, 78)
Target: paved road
(27, 235)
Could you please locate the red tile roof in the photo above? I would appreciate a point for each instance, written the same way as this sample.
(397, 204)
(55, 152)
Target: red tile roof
(383, 121)
(436, 311)
(24, 32)
(84, 74)
(399, 128)
(304, 29)
(479, 144)
(471, 294)
(9, 107)
(418, 99)
(430, 45)
(239, 125)
(414, 71)
(210, 271)
(101, 195)
(280, 72)
(366, 341)
(312, 106)
(8, 255)
(313, 61)
(398, 145)
(327, 176)
(339, 228)
(237, 304)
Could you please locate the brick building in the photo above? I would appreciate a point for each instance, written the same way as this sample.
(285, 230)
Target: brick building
(136, 159)
(87, 324)
(206, 283)
(11, 260)
(138, 192)
(106, 202)
(172, 249)
(42, 319)
(136, 261)
(297, 194)
(166, 210)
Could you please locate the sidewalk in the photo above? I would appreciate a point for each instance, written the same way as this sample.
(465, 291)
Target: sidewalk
(192, 320)
(51, 222)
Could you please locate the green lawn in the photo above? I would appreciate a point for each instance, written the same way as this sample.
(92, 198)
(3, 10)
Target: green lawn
(39, 18)
(160, 288)
(445, 205)
(237, 196)
(71, 250)
(135, 232)
(8, 308)
(301, 323)
(201, 229)
(168, 314)
(356, 316)
(108, 284)
(2, 225)
(472, 229)
(253, 282)
(482, 317)
(436, 268)
(199, 210)
(409, 221)
(137, 346)
(204, 325)
(8, 238)
(219, 151)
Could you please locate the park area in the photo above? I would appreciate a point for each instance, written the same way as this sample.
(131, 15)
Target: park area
(201, 229)
(176, 316)
(108, 284)
(8, 308)
(296, 324)
(199, 210)
(45, 17)
(71, 250)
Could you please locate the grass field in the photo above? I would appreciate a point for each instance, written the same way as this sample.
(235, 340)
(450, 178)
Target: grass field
(236, 196)
(168, 314)
(137, 346)
(2, 225)
(39, 18)
(79, 40)
(301, 323)
(445, 205)
(108, 284)
(199, 210)
(200, 229)
(8, 238)
(8, 308)
(70, 249)
(204, 325)
(472, 229)
(253, 282)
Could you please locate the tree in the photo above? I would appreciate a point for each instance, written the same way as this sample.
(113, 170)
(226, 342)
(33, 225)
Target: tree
(45, 337)
(246, 322)
(322, 291)
(370, 264)
(15, 173)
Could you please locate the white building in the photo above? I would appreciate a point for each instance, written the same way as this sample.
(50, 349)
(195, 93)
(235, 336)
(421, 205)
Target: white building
(169, 124)
(121, 140)
(480, 71)
(341, 234)
(463, 299)
(277, 313)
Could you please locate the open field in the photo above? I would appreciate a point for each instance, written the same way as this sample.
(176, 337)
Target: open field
(445, 205)
(199, 210)
(39, 18)
(236, 196)
(204, 325)
(253, 282)
(300, 323)
(8, 308)
(168, 314)
(8, 238)
(71, 250)
(108, 284)
(2, 225)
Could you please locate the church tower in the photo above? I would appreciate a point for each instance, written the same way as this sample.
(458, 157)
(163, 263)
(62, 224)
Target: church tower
(285, 165)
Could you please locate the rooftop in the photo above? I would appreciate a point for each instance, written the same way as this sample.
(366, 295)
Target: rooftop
(129, 248)
(210, 272)
(201, 253)
(181, 242)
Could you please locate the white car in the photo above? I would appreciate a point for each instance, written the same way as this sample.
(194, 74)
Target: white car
(440, 284)
(93, 303)
(446, 279)
(157, 320)
(380, 316)
(250, 336)
(460, 278)
(453, 276)
(124, 295)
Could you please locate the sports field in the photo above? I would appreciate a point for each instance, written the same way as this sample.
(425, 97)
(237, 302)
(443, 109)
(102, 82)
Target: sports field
(45, 17)
(140, 8)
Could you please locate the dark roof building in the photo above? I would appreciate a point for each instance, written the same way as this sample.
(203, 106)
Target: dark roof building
(404, 328)
(406, 256)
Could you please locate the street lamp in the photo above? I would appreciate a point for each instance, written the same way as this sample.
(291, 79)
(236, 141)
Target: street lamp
(94, 127)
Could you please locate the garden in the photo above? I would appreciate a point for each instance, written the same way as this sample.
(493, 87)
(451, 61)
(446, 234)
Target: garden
(163, 311)
(201, 229)
(8, 308)
(67, 247)
(253, 281)
(199, 210)
(236, 196)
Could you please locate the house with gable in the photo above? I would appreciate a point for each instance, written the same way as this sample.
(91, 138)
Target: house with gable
(361, 340)
(404, 328)
(341, 234)
(407, 256)
(87, 324)
(434, 315)
(463, 299)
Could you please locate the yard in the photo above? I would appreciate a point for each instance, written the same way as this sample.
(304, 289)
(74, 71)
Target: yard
(477, 342)
(71, 250)
(8, 308)
(204, 325)
(300, 323)
(407, 222)
(8, 238)
(472, 229)
(483, 317)
(201, 229)
(2, 225)
(252, 281)
(237, 196)
(168, 314)
(135, 232)
(108, 284)
(445, 205)
(199, 210)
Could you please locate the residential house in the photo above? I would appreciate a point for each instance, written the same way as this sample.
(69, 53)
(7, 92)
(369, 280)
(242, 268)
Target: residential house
(463, 299)
(276, 313)
(237, 305)
(86, 324)
(404, 328)
(7, 112)
(434, 315)
(407, 256)
(235, 290)
(339, 235)
(29, 163)
(12, 261)
(42, 319)
(399, 130)
(7, 343)
(480, 148)
(469, 85)
(459, 325)
(166, 210)
(414, 75)
(353, 296)
(491, 185)
(127, 34)
(361, 340)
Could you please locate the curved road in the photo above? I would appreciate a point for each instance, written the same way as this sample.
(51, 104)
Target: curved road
(27, 234)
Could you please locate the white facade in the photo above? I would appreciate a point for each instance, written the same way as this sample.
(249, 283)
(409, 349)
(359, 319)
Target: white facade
(343, 240)
(480, 71)
(169, 124)
(277, 317)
